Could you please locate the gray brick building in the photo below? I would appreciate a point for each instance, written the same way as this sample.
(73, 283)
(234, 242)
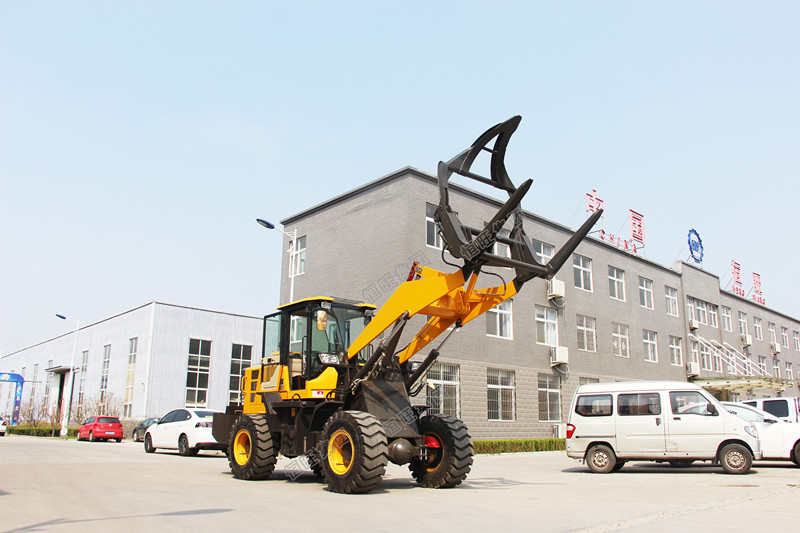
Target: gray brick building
(621, 316)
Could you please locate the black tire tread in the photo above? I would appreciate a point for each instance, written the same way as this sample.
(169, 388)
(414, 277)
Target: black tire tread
(369, 464)
(263, 455)
(457, 461)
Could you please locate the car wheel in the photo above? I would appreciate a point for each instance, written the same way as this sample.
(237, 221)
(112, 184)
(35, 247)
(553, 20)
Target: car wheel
(92, 438)
(601, 459)
(118, 440)
(183, 447)
(796, 453)
(735, 459)
(133, 436)
(148, 444)
(618, 466)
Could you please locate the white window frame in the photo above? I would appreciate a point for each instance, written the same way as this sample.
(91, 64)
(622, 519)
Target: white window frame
(239, 360)
(650, 345)
(742, 323)
(544, 252)
(757, 329)
(789, 371)
(620, 340)
(727, 322)
(449, 388)
(705, 357)
(104, 372)
(676, 351)
(500, 318)
(430, 226)
(646, 293)
(712, 316)
(201, 368)
(297, 258)
(130, 377)
(796, 338)
(762, 364)
(616, 283)
(501, 389)
(582, 272)
(785, 337)
(587, 333)
(549, 390)
(671, 297)
(546, 325)
(773, 334)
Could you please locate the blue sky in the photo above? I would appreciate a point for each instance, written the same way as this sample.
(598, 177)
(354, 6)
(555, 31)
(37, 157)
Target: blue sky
(140, 140)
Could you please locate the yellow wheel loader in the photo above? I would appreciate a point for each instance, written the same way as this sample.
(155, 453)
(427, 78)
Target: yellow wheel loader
(329, 390)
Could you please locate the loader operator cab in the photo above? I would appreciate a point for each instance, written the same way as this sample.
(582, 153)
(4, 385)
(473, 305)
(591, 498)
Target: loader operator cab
(312, 334)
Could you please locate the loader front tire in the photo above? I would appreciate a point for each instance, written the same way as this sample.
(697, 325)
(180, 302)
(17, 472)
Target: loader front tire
(251, 450)
(449, 452)
(353, 452)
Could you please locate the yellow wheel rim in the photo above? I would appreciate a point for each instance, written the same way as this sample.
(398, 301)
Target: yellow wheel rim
(340, 452)
(241, 447)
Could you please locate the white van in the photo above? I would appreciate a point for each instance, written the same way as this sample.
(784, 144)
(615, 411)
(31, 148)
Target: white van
(784, 408)
(611, 423)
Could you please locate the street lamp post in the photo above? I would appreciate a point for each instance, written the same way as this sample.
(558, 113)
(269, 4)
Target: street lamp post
(292, 239)
(68, 390)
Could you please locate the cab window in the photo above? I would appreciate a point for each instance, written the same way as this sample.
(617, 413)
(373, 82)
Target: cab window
(639, 404)
(594, 405)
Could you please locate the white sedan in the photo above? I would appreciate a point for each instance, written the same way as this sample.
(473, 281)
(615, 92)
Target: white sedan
(779, 439)
(185, 430)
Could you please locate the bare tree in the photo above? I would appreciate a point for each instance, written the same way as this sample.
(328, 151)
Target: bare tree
(32, 412)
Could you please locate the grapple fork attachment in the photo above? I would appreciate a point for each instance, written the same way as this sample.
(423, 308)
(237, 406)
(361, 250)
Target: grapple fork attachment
(474, 245)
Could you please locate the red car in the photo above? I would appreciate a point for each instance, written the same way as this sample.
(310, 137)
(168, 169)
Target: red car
(101, 428)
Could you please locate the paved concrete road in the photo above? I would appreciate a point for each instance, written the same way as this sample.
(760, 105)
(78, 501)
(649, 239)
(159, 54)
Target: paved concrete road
(58, 485)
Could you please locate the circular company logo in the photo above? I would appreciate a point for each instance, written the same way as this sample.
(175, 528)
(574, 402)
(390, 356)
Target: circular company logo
(695, 246)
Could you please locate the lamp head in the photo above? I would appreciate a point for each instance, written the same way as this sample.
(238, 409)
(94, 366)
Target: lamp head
(267, 224)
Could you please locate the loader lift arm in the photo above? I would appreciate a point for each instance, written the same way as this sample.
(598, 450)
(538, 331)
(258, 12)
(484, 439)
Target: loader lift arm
(451, 298)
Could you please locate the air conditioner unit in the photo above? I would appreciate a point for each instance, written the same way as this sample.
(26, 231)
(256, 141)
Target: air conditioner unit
(747, 340)
(692, 369)
(559, 431)
(559, 355)
(775, 348)
(555, 289)
(693, 323)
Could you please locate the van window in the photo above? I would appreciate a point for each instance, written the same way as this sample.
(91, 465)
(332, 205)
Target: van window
(779, 408)
(689, 403)
(639, 404)
(594, 405)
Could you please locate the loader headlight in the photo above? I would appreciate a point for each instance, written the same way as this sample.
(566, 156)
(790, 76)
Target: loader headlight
(328, 358)
(752, 431)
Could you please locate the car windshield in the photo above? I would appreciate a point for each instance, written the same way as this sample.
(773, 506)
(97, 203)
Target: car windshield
(108, 420)
(204, 414)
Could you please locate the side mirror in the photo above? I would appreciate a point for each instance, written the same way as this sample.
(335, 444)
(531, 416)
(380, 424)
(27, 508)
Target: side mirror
(712, 410)
(322, 320)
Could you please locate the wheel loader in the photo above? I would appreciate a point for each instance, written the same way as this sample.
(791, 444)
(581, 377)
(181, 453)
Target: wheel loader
(333, 384)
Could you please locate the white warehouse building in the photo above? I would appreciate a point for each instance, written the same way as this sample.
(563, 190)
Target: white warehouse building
(139, 363)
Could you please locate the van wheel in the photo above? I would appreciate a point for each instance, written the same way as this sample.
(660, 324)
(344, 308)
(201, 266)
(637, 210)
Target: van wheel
(735, 459)
(618, 466)
(601, 459)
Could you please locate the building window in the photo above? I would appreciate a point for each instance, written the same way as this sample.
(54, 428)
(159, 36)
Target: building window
(650, 345)
(433, 238)
(587, 337)
(671, 295)
(727, 323)
(784, 337)
(500, 248)
(443, 389)
(47, 385)
(241, 357)
(776, 368)
(742, 323)
(582, 272)
(675, 351)
(796, 337)
(197, 373)
(546, 326)
(130, 377)
(705, 357)
(762, 364)
(789, 371)
(716, 360)
(757, 328)
(104, 372)
(773, 337)
(549, 398)
(694, 351)
(586, 381)
(500, 394)
(34, 381)
(297, 259)
(712, 316)
(544, 252)
(646, 293)
(616, 283)
(498, 321)
(619, 340)
(82, 377)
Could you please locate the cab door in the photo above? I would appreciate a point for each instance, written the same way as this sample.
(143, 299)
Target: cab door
(640, 424)
(694, 427)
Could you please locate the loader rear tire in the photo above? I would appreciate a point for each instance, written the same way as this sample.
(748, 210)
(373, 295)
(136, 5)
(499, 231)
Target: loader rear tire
(353, 452)
(449, 452)
(251, 450)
